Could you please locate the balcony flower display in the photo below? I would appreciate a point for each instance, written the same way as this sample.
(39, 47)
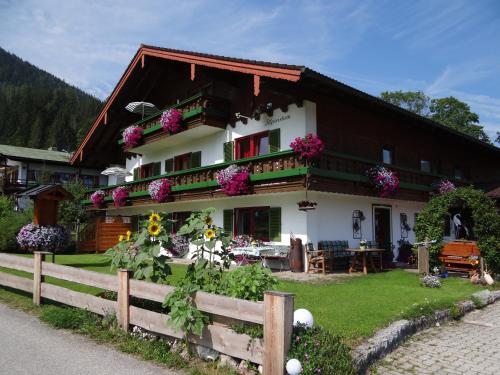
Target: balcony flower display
(444, 186)
(159, 190)
(234, 180)
(38, 237)
(384, 180)
(120, 195)
(132, 135)
(171, 120)
(97, 198)
(307, 205)
(308, 148)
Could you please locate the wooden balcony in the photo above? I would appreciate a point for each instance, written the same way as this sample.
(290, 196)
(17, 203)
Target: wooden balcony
(202, 115)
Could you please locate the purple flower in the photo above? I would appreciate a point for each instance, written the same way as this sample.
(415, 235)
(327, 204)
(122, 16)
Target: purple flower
(132, 135)
(234, 180)
(97, 198)
(309, 148)
(120, 195)
(159, 190)
(445, 186)
(38, 237)
(171, 120)
(385, 180)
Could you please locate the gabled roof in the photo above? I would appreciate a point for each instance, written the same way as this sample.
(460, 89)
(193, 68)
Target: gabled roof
(56, 192)
(293, 73)
(26, 153)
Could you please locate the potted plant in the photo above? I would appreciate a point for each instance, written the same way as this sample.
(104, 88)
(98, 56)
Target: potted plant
(97, 198)
(132, 136)
(307, 205)
(234, 180)
(171, 120)
(363, 244)
(384, 180)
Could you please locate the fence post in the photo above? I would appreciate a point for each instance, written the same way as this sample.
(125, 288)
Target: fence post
(278, 324)
(423, 260)
(123, 298)
(38, 258)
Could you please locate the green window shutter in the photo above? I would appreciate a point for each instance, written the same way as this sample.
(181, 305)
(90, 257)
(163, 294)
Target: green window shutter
(274, 140)
(228, 222)
(136, 173)
(228, 151)
(275, 224)
(169, 165)
(157, 169)
(195, 159)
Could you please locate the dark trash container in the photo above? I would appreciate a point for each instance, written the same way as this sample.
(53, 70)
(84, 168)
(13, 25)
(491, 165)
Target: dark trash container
(296, 255)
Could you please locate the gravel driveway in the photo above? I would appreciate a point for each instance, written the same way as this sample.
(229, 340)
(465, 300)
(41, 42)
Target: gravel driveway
(469, 346)
(27, 346)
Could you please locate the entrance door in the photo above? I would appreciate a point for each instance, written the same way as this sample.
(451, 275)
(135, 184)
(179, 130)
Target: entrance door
(382, 230)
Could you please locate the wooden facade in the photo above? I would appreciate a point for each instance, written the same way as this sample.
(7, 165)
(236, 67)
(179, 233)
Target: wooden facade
(102, 233)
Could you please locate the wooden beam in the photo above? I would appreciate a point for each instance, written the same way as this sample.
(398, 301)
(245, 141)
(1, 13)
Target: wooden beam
(142, 61)
(193, 71)
(105, 118)
(123, 298)
(256, 85)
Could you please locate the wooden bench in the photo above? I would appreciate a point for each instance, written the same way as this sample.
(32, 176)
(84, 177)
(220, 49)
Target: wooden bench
(460, 256)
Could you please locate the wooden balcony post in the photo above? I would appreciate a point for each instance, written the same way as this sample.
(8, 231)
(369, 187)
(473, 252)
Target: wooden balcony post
(38, 258)
(278, 324)
(123, 313)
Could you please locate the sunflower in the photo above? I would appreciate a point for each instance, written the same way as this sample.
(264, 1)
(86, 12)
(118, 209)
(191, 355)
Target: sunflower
(209, 220)
(120, 237)
(210, 233)
(154, 229)
(129, 233)
(154, 218)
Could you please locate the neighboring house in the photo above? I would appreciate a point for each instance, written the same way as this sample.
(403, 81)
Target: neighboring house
(248, 112)
(22, 168)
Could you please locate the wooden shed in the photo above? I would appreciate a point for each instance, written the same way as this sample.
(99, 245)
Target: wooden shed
(46, 200)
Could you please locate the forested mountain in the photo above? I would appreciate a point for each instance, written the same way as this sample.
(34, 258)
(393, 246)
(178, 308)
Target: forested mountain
(40, 110)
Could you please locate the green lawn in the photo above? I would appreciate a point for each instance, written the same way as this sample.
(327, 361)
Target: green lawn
(354, 308)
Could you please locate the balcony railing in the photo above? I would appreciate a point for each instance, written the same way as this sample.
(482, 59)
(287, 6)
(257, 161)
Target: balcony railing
(279, 165)
(265, 167)
(200, 109)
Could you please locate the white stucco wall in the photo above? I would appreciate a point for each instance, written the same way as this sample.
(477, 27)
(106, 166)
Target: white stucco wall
(294, 123)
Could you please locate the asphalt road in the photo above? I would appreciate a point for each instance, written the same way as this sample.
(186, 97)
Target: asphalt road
(27, 346)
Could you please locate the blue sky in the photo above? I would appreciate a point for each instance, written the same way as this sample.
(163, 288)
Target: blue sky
(441, 47)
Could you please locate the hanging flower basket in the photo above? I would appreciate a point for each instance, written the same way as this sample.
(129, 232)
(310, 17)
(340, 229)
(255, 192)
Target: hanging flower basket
(132, 136)
(234, 180)
(159, 190)
(443, 186)
(171, 120)
(307, 205)
(308, 148)
(40, 237)
(120, 195)
(384, 180)
(97, 198)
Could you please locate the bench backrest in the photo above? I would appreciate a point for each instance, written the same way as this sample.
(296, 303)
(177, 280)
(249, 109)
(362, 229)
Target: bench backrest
(460, 248)
(337, 248)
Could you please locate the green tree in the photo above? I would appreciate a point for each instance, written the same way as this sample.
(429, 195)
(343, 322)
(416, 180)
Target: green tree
(413, 101)
(72, 211)
(11, 222)
(457, 115)
(498, 138)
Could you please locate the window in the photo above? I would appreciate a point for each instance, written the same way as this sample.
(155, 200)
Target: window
(252, 221)
(181, 218)
(182, 162)
(252, 145)
(458, 173)
(147, 170)
(425, 166)
(387, 155)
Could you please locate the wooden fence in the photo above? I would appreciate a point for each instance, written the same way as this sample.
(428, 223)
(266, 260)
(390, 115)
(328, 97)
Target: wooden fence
(275, 313)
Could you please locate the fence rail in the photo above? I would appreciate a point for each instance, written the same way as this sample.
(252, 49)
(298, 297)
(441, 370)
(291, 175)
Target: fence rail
(275, 313)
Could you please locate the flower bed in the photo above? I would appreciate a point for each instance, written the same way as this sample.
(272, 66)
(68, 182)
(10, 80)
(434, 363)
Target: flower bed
(120, 195)
(132, 136)
(39, 237)
(308, 148)
(97, 198)
(159, 190)
(384, 180)
(171, 120)
(234, 180)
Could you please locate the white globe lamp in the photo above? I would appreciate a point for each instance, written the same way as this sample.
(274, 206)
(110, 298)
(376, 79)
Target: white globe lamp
(303, 317)
(293, 367)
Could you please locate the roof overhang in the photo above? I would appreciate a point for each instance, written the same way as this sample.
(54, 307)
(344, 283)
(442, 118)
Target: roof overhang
(256, 68)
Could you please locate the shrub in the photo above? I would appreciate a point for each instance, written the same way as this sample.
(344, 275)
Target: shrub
(248, 282)
(11, 222)
(66, 318)
(430, 281)
(40, 237)
(320, 352)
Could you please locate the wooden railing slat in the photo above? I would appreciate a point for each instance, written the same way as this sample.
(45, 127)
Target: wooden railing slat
(85, 301)
(16, 282)
(16, 262)
(77, 275)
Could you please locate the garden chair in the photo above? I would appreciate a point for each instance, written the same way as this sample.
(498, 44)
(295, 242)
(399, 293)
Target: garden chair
(316, 259)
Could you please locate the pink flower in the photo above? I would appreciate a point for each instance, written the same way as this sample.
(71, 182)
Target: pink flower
(385, 180)
(97, 198)
(159, 190)
(309, 148)
(171, 120)
(445, 186)
(132, 135)
(120, 195)
(234, 180)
